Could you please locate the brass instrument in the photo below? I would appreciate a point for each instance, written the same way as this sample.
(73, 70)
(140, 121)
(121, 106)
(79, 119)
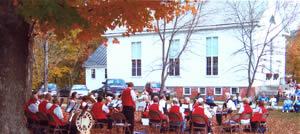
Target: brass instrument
(91, 98)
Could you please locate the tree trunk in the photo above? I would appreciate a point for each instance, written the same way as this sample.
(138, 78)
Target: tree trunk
(15, 69)
(46, 63)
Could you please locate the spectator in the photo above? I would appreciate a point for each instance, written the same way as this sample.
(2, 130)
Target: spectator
(210, 99)
(280, 92)
(297, 104)
(273, 102)
(228, 105)
(287, 104)
(237, 99)
(297, 92)
(198, 96)
(264, 98)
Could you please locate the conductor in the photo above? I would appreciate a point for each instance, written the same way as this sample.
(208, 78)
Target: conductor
(128, 102)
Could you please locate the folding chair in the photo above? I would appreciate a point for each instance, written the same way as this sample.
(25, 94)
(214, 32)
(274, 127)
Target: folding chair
(199, 119)
(55, 128)
(98, 125)
(262, 124)
(231, 123)
(174, 117)
(119, 120)
(155, 124)
(34, 124)
(43, 121)
(246, 116)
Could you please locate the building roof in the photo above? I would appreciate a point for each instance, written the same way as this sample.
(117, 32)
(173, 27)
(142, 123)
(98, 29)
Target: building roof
(98, 59)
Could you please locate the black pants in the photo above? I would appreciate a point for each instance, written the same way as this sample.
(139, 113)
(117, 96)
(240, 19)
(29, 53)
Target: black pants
(255, 125)
(129, 114)
(108, 121)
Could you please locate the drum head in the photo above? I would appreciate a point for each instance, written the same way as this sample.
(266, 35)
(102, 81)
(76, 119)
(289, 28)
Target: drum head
(85, 122)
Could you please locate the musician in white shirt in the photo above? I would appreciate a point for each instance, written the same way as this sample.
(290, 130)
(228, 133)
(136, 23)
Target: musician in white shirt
(72, 102)
(228, 105)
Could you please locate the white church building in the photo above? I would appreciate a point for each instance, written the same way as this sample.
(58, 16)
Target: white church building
(209, 65)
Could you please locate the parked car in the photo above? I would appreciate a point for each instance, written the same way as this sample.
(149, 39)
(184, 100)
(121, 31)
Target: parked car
(65, 91)
(113, 86)
(154, 87)
(80, 89)
(52, 88)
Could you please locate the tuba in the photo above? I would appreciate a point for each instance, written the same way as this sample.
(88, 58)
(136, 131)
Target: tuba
(91, 98)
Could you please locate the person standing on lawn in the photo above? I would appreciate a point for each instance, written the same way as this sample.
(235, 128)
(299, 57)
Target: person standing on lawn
(128, 102)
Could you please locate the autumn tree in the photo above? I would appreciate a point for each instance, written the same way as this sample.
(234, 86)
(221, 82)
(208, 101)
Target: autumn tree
(18, 20)
(293, 57)
(259, 24)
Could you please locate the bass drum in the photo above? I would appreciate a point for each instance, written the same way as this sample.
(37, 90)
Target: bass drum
(84, 122)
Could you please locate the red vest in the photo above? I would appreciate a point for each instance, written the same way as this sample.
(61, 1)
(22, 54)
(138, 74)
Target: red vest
(126, 98)
(176, 109)
(247, 109)
(26, 109)
(200, 111)
(195, 106)
(43, 106)
(57, 120)
(155, 107)
(98, 112)
(256, 117)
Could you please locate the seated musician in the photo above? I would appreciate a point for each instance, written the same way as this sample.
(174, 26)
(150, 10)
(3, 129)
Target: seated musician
(145, 113)
(32, 108)
(258, 112)
(187, 106)
(201, 110)
(40, 98)
(84, 102)
(72, 102)
(228, 105)
(100, 111)
(56, 112)
(245, 108)
(45, 104)
(163, 103)
(156, 107)
(175, 108)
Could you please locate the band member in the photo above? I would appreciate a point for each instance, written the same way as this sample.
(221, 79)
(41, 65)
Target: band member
(187, 106)
(45, 104)
(72, 102)
(175, 108)
(40, 98)
(156, 107)
(245, 108)
(228, 105)
(163, 103)
(201, 110)
(32, 107)
(146, 110)
(128, 102)
(84, 102)
(56, 112)
(100, 111)
(258, 112)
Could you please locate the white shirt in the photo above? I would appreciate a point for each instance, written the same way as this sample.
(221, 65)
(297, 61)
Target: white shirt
(273, 101)
(162, 103)
(71, 105)
(230, 104)
(133, 95)
(48, 106)
(83, 104)
(185, 106)
(257, 110)
(33, 107)
(105, 109)
(58, 112)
